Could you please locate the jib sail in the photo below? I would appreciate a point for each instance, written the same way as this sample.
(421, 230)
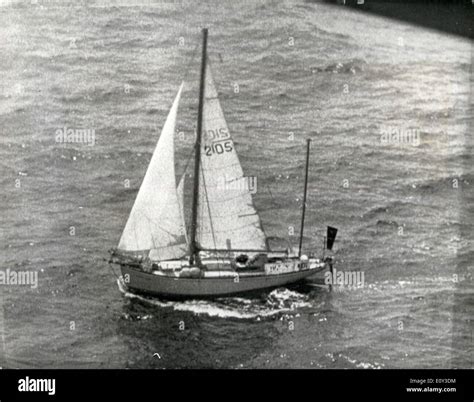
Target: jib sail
(155, 222)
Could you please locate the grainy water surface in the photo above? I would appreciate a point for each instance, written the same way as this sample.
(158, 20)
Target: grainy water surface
(286, 71)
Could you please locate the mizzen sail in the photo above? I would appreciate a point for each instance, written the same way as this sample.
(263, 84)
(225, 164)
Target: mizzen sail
(155, 222)
(226, 215)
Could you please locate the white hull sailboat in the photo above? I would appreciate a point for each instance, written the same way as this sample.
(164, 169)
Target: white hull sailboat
(225, 251)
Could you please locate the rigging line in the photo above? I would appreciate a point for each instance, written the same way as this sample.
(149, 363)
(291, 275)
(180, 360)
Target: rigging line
(274, 201)
(259, 220)
(109, 263)
(151, 233)
(157, 226)
(181, 212)
(113, 272)
(208, 207)
(190, 156)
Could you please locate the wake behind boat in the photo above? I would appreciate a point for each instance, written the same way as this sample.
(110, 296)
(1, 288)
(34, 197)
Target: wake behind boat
(225, 251)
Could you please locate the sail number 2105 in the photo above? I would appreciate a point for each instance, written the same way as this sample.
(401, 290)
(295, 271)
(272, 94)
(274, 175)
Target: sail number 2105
(219, 147)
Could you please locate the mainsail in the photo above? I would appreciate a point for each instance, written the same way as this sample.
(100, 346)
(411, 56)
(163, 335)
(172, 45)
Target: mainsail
(226, 215)
(155, 222)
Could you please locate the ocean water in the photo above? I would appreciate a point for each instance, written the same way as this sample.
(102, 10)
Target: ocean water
(286, 71)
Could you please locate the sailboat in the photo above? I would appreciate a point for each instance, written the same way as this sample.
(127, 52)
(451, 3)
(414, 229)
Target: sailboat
(223, 251)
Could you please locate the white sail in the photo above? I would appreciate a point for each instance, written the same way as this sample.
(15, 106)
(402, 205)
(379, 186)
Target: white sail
(226, 215)
(155, 222)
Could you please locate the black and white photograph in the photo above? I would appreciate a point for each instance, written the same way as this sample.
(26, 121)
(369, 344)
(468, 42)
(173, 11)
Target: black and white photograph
(243, 185)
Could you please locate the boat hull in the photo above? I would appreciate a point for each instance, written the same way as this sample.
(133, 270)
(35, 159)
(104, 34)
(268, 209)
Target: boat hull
(179, 288)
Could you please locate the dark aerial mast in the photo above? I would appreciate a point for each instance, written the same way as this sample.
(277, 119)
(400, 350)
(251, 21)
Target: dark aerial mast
(308, 145)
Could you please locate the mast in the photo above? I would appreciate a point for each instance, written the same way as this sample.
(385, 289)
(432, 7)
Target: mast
(308, 145)
(197, 156)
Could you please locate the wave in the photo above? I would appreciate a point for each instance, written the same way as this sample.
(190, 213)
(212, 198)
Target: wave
(353, 66)
(394, 208)
(440, 185)
(359, 364)
(277, 302)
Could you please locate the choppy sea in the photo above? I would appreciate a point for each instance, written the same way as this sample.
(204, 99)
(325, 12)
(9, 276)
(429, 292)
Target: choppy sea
(356, 84)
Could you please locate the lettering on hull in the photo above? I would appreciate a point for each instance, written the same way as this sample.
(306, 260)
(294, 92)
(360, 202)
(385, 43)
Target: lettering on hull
(282, 267)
